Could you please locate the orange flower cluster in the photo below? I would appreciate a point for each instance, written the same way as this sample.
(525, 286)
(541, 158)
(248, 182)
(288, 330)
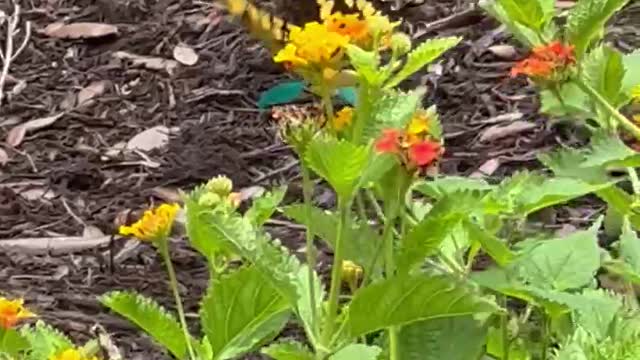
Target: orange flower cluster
(546, 61)
(414, 145)
(12, 311)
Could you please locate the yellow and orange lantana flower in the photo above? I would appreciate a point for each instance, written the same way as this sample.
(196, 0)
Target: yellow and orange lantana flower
(546, 61)
(343, 118)
(414, 145)
(312, 45)
(12, 311)
(350, 25)
(154, 225)
(71, 354)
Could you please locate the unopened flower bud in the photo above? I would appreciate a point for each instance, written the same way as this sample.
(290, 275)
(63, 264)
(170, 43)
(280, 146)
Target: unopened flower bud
(351, 274)
(400, 43)
(209, 199)
(220, 185)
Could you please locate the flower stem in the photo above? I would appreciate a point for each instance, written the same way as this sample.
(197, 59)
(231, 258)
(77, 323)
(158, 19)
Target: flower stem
(389, 269)
(336, 274)
(504, 322)
(545, 335)
(307, 191)
(163, 247)
(596, 96)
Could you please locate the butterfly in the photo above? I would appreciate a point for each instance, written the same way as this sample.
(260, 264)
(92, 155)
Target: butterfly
(274, 30)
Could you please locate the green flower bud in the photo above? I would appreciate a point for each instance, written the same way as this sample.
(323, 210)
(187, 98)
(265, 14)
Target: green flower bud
(209, 199)
(220, 185)
(400, 43)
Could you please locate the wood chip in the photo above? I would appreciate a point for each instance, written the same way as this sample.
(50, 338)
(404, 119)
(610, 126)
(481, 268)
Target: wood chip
(4, 157)
(149, 62)
(93, 90)
(79, 30)
(52, 245)
(497, 132)
(487, 169)
(185, 55)
(16, 135)
(153, 138)
(506, 52)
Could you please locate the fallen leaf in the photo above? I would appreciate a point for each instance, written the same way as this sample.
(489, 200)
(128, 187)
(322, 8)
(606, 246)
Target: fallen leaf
(16, 135)
(487, 169)
(39, 193)
(185, 55)
(94, 89)
(251, 192)
(79, 30)
(507, 52)
(4, 157)
(498, 132)
(153, 138)
(149, 62)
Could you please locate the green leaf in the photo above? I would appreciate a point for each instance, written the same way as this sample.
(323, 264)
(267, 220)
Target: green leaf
(201, 235)
(424, 239)
(632, 75)
(573, 102)
(595, 310)
(357, 351)
(406, 299)
(361, 243)
(604, 71)
(339, 162)
(282, 93)
(263, 207)
(44, 340)
(349, 95)
(630, 246)
(446, 185)
(562, 264)
(150, 317)
(241, 310)
(587, 20)
(526, 12)
(393, 109)
(365, 63)
(422, 55)
(291, 350)
(496, 248)
(451, 338)
(522, 33)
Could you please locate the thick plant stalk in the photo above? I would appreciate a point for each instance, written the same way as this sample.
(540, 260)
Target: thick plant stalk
(336, 275)
(163, 247)
(595, 95)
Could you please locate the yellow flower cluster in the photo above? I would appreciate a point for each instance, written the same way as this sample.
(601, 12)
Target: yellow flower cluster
(71, 354)
(12, 311)
(154, 225)
(343, 118)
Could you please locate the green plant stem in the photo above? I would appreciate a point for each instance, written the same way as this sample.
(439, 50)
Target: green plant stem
(336, 277)
(163, 247)
(327, 104)
(307, 191)
(504, 323)
(545, 335)
(389, 269)
(595, 95)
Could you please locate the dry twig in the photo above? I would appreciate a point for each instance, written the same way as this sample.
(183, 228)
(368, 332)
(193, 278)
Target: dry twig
(9, 54)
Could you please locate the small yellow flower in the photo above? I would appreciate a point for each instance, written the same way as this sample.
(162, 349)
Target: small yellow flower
(71, 354)
(313, 44)
(419, 124)
(349, 25)
(343, 118)
(154, 225)
(12, 311)
(289, 56)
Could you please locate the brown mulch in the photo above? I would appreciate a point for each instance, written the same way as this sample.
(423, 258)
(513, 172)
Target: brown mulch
(70, 176)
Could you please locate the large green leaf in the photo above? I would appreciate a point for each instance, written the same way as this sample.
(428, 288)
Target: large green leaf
(446, 185)
(274, 262)
(632, 74)
(496, 248)
(366, 64)
(526, 12)
(424, 239)
(521, 32)
(357, 351)
(595, 310)
(422, 55)
(12, 344)
(562, 264)
(240, 311)
(150, 317)
(339, 162)
(451, 338)
(604, 71)
(573, 102)
(44, 340)
(361, 242)
(406, 299)
(288, 351)
(587, 20)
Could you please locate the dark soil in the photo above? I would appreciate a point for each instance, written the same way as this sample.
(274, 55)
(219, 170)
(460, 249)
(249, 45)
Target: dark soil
(70, 178)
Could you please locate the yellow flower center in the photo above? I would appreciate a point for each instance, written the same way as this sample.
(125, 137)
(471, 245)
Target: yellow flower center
(154, 225)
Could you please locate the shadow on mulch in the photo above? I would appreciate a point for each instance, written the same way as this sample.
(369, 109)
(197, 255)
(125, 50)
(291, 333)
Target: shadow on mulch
(66, 177)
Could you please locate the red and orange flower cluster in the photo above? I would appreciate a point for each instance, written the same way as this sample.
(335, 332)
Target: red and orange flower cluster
(546, 61)
(415, 146)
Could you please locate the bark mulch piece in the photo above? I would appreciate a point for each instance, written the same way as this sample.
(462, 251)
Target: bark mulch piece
(73, 175)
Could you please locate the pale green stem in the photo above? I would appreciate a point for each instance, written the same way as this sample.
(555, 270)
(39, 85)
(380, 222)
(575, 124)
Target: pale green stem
(336, 275)
(635, 182)
(163, 247)
(307, 191)
(504, 323)
(545, 335)
(595, 95)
